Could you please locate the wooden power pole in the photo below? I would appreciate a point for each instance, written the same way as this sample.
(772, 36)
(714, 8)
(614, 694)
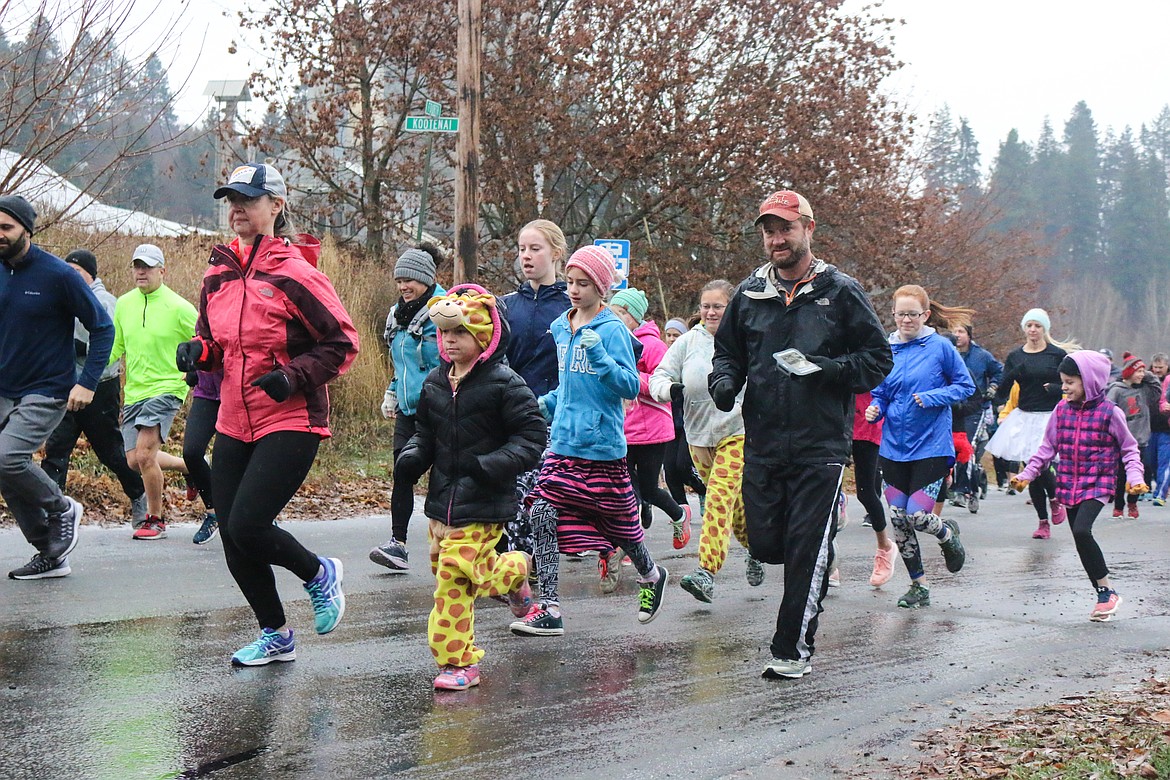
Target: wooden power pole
(470, 47)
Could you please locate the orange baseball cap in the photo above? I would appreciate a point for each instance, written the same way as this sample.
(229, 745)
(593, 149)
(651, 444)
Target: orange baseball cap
(785, 204)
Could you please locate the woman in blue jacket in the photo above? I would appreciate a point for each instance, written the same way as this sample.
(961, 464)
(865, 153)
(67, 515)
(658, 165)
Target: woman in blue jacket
(917, 450)
(414, 353)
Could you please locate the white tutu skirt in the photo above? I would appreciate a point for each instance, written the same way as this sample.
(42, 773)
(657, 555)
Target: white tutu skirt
(1019, 436)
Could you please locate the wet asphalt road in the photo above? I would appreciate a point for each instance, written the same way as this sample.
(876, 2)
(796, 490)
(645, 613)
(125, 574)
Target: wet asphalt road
(120, 670)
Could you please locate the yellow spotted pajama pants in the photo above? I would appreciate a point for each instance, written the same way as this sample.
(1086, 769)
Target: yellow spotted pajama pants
(466, 566)
(721, 468)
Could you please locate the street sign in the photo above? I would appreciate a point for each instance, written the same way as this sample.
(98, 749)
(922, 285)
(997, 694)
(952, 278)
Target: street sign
(620, 249)
(434, 108)
(430, 124)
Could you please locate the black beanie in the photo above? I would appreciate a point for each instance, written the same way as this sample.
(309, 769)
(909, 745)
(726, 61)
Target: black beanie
(19, 209)
(1069, 367)
(83, 259)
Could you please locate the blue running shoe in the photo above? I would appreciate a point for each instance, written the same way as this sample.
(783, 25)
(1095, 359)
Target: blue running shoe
(325, 592)
(271, 646)
(207, 529)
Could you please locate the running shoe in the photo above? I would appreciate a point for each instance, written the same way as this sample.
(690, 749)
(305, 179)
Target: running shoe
(325, 592)
(609, 570)
(1011, 491)
(650, 596)
(883, 566)
(703, 505)
(63, 530)
(959, 500)
(457, 678)
(842, 511)
(755, 572)
(138, 511)
(647, 515)
(207, 529)
(1042, 531)
(392, 555)
(1059, 515)
(918, 596)
(1133, 511)
(192, 491)
(835, 578)
(866, 522)
(681, 529)
(973, 503)
(1107, 603)
(271, 646)
(41, 568)
(520, 600)
(1118, 513)
(539, 621)
(1159, 502)
(699, 584)
(154, 528)
(952, 549)
(782, 668)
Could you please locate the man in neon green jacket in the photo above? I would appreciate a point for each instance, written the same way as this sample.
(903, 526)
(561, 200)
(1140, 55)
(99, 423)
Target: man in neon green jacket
(150, 322)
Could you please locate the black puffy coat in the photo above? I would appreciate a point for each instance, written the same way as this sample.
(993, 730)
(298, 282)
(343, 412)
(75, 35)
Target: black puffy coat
(494, 417)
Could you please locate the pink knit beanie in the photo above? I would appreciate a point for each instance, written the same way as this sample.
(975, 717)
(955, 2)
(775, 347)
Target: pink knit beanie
(597, 264)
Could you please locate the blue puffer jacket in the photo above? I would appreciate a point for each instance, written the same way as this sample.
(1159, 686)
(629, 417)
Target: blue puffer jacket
(532, 353)
(932, 368)
(414, 351)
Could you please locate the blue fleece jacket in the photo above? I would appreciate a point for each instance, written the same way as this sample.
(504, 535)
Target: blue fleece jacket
(931, 368)
(587, 411)
(532, 353)
(40, 296)
(414, 351)
(983, 367)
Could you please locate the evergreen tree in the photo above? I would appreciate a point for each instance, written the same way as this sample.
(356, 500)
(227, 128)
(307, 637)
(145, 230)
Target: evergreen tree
(1010, 189)
(941, 152)
(968, 177)
(1080, 197)
(1046, 182)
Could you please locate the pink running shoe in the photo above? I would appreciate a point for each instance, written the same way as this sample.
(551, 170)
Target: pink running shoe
(1059, 515)
(1133, 511)
(883, 567)
(1107, 603)
(457, 678)
(1043, 531)
(682, 529)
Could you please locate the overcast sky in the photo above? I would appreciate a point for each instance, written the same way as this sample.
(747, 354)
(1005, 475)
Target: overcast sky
(1000, 63)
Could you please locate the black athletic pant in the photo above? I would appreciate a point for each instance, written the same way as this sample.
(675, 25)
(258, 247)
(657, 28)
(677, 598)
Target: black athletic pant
(1120, 497)
(252, 482)
(402, 491)
(100, 422)
(679, 470)
(1080, 520)
(196, 436)
(1003, 468)
(867, 474)
(791, 517)
(1042, 490)
(645, 464)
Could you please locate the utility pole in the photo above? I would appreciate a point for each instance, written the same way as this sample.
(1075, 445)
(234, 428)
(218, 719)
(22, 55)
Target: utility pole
(469, 45)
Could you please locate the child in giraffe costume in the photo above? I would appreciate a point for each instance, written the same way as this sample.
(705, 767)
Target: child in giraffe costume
(478, 428)
(715, 439)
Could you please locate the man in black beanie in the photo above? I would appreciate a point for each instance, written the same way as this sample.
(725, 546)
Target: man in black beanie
(40, 297)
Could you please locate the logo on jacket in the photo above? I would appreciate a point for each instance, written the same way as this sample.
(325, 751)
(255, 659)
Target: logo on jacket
(266, 292)
(579, 363)
(822, 301)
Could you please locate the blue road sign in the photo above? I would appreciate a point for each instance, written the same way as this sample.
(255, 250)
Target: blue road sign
(620, 249)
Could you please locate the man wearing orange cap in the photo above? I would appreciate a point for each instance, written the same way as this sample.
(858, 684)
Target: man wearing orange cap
(797, 411)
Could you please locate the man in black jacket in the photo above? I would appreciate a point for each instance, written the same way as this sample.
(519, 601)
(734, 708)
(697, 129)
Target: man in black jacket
(798, 425)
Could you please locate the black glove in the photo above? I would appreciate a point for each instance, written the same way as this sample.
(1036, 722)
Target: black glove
(469, 465)
(187, 355)
(80, 348)
(830, 370)
(723, 394)
(676, 393)
(408, 469)
(191, 378)
(276, 384)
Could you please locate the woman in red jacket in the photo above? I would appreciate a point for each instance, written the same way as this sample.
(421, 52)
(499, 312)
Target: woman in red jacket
(273, 323)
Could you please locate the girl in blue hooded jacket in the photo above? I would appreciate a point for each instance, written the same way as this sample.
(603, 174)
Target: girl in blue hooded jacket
(917, 450)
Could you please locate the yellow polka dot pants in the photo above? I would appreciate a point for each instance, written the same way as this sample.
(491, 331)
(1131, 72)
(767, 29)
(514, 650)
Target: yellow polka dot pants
(466, 566)
(721, 468)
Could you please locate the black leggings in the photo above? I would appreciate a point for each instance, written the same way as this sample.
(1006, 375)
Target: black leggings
(196, 436)
(679, 471)
(252, 482)
(402, 492)
(1042, 490)
(1080, 520)
(868, 476)
(645, 464)
(1120, 497)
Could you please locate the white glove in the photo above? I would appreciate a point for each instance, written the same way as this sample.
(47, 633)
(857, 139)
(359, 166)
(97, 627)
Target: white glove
(389, 405)
(589, 337)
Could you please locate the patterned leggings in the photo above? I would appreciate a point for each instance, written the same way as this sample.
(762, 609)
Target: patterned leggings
(911, 489)
(721, 469)
(466, 565)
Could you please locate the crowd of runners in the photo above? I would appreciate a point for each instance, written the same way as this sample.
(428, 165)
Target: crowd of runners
(547, 419)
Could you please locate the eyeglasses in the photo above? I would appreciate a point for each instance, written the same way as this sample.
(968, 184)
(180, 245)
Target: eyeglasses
(712, 306)
(908, 315)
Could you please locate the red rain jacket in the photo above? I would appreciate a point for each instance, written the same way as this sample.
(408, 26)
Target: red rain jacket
(263, 308)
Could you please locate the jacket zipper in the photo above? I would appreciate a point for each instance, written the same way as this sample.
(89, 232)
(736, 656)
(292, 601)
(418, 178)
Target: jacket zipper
(145, 303)
(454, 451)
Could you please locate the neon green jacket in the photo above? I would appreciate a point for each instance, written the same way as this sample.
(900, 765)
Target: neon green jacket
(147, 330)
